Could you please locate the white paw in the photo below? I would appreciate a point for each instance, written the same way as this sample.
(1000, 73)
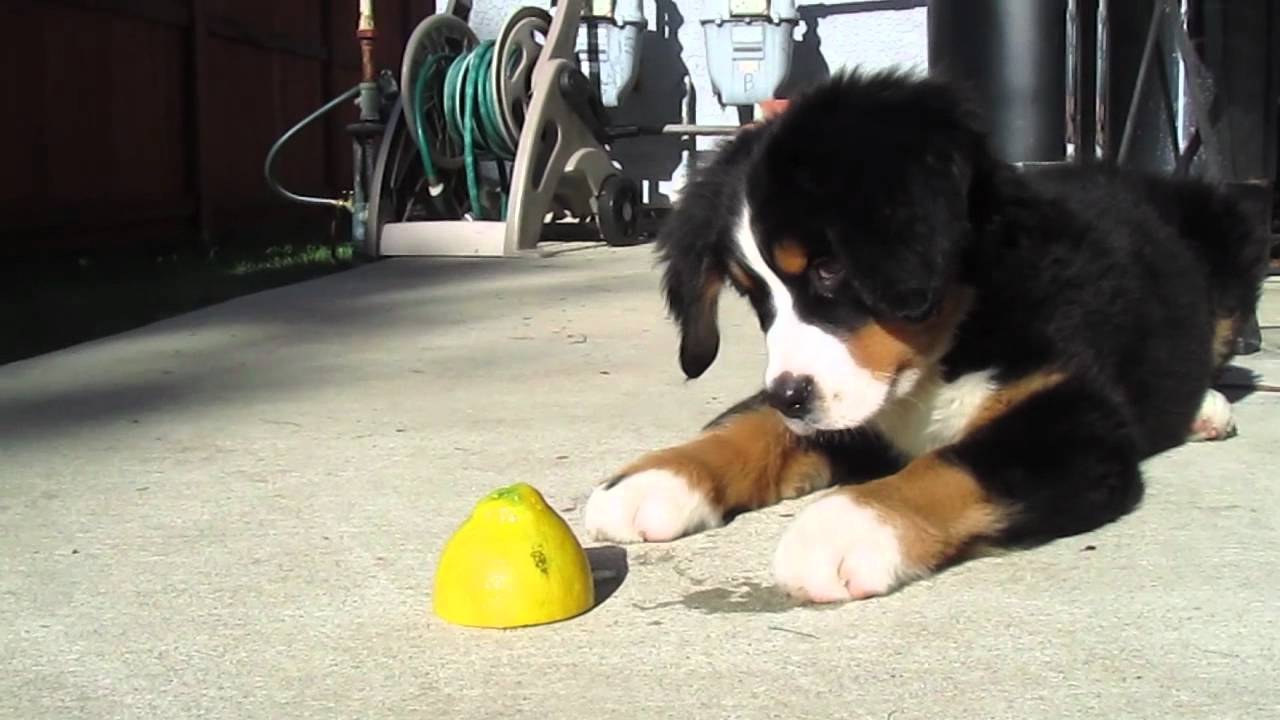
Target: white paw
(650, 506)
(838, 550)
(1215, 420)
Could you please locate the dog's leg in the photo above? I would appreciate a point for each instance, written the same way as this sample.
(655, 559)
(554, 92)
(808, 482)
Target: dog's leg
(1055, 463)
(744, 460)
(1215, 420)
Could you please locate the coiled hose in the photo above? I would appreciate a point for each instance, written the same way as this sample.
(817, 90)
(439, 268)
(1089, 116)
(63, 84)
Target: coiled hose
(472, 115)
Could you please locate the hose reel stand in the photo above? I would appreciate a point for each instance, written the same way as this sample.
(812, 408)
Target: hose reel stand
(552, 118)
(459, 164)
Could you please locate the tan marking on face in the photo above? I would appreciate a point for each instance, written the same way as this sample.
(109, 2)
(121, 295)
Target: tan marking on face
(1012, 394)
(703, 322)
(741, 276)
(886, 348)
(711, 289)
(746, 462)
(790, 257)
(938, 509)
(1225, 330)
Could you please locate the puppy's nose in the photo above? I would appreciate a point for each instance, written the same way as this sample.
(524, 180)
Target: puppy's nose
(791, 395)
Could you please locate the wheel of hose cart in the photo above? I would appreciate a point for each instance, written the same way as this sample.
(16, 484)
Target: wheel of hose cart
(618, 211)
(444, 36)
(519, 44)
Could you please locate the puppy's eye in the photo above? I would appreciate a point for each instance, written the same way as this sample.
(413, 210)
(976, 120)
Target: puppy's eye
(827, 275)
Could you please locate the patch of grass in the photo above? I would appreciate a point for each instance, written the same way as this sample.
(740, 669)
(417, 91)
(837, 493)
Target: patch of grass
(50, 304)
(287, 258)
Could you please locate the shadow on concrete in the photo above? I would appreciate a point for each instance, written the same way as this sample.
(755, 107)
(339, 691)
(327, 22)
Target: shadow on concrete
(199, 358)
(609, 568)
(78, 408)
(1237, 383)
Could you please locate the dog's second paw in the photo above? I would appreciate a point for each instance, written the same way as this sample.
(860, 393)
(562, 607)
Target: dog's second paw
(839, 549)
(1215, 420)
(648, 506)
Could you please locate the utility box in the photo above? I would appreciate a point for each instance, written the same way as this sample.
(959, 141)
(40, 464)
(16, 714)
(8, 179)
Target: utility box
(748, 47)
(608, 46)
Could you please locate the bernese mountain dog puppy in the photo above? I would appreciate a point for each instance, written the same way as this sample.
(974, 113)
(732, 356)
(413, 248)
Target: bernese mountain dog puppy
(963, 355)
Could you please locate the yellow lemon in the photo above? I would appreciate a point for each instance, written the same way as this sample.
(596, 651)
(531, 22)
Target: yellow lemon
(513, 562)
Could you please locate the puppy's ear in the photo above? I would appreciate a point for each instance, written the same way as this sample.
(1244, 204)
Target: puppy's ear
(695, 243)
(693, 287)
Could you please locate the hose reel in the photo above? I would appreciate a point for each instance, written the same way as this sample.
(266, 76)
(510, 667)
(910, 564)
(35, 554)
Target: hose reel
(504, 133)
(482, 146)
(466, 99)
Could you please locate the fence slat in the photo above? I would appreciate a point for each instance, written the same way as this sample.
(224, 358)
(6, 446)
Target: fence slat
(161, 136)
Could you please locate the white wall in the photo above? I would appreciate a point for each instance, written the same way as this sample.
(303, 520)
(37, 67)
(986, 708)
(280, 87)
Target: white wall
(867, 33)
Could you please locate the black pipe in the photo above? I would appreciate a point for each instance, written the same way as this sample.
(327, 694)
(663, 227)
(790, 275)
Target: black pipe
(1086, 90)
(1012, 56)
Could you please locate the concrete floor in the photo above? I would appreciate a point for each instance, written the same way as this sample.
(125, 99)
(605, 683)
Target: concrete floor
(236, 513)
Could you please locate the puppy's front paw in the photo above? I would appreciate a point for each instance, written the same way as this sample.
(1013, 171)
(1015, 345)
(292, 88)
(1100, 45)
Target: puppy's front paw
(653, 505)
(1215, 420)
(839, 549)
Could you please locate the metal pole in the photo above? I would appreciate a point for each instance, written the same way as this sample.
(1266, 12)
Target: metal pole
(1012, 55)
(367, 33)
(1086, 79)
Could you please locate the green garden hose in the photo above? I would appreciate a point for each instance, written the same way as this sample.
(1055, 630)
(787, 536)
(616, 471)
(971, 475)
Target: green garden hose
(472, 114)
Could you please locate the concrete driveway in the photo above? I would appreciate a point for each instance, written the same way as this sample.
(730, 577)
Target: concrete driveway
(236, 514)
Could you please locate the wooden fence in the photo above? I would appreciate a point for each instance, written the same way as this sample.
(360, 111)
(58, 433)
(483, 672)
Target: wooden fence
(146, 122)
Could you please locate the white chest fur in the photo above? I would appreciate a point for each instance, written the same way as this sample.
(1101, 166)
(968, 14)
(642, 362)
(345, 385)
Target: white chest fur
(933, 413)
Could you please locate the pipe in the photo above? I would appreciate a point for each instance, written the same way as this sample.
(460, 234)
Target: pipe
(686, 129)
(1086, 91)
(1012, 55)
(367, 33)
(271, 155)
(682, 129)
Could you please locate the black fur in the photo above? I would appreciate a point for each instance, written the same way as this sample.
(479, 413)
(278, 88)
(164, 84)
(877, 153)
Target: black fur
(875, 172)
(1064, 460)
(1115, 279)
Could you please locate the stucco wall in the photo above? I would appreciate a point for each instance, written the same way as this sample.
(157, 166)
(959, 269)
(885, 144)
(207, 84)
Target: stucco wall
(867, 33)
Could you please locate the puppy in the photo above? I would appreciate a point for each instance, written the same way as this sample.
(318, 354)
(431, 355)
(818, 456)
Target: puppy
(974, 356)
